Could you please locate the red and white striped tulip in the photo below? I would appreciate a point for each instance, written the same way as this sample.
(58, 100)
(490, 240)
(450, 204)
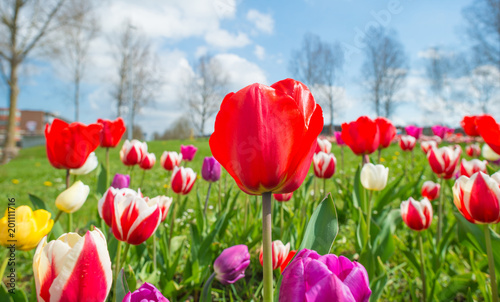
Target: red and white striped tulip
(280, 253)
(469, 167)
(473, 150)
(324, 164)
(478, 197)
(417, 214)
(73, 268)
(323, 145)
(133, 152)
(169, 160)
(489, 154)
(164, 203)
(407, 142)
(430, 190)
(443, 161)
(427, 145)
(148, 161)
(183, 180)
(105, 205)
(135, 218)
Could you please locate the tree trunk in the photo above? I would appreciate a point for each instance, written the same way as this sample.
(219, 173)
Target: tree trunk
(77, 99)
(332, 127)
(10, 149)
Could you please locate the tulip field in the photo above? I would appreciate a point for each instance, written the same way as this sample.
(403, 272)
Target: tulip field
(268, 209)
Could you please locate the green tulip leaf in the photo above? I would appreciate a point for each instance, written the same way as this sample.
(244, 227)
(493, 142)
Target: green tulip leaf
(121, 287)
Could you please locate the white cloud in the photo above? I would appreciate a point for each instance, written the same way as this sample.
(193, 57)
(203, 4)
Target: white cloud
(241, 72)
(223, 39)
(259, 52)
(263, 22)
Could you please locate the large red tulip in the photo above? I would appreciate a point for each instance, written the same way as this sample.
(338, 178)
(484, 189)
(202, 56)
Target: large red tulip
(469, 125)
(265, 137)
(112, 132)
(362, 135)
(478, 197)
(69, 145)
(386, 130)
(489, 131)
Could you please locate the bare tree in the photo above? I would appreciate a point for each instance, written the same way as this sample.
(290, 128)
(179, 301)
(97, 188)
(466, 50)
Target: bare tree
(384, 69)
(204, 91)
(139, 78)
(75, 44)
(483, 18)
(317, 64)
(27, 28)
(439, 69)
(485, 84)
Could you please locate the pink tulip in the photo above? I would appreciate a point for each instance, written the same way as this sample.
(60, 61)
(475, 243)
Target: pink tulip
(188, 152)
(430, 190)
(73, 268)
(324, 164)
(407, 142)
(183, 180)
(338, 138)
(323, 145)
(169, 160)
(417, 214)
(280, 253)
(133, 152)
(414, 131)
(469, 167)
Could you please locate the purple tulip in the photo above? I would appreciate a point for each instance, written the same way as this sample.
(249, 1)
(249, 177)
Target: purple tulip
(414, 131)
(188, 152)
(312, 277)
(121, 181)
(147, 292)
(210, 171)
(338, 138)
(230, 266)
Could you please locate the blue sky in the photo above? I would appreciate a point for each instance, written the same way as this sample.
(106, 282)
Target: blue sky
(255, 40)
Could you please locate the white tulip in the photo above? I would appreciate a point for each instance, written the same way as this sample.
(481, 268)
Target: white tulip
(89, 165)
(374, 177)
(73, 198)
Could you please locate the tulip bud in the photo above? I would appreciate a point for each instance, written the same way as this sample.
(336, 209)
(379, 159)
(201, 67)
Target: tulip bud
(31, 226)
(133, 152)
(312, 277)
(183, 180)
(417, 214)
(230, 266)
(134, 218)
(283, 197)
(169, 160)
(473, 150)
(89, 165)
(323, 145)
(478, 197)
(280, 253)
(489, 154)
(73, 268)
(443, 161)
(427, 145)
(210, 171)
(148, 161)
(147, 292)
(121, 181)
(469, 167)
(374, 177)
(407, 142)
(430, 190)
(324, 164)
(73, 198)
(188, 152)
(164, 203)
(338, 138)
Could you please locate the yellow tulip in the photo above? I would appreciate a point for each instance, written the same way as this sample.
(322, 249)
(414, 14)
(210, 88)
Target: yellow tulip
(29, 227)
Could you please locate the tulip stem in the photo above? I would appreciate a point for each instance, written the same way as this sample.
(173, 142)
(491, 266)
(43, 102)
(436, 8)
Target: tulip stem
(67, 178)
(342, 160)
(267, 246)
(154, 253)
(127, 247)
(206, 200)
(117, 260)
(219, 201)
(324, 186)
(142, 178)
(70, 222)
(369, 218)
(491, 264)
(422, 268)
(379, 155)
(107, 168)
(282, 218)
(4, 264)
(440, 209)
(172, 221)
(57, 216)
